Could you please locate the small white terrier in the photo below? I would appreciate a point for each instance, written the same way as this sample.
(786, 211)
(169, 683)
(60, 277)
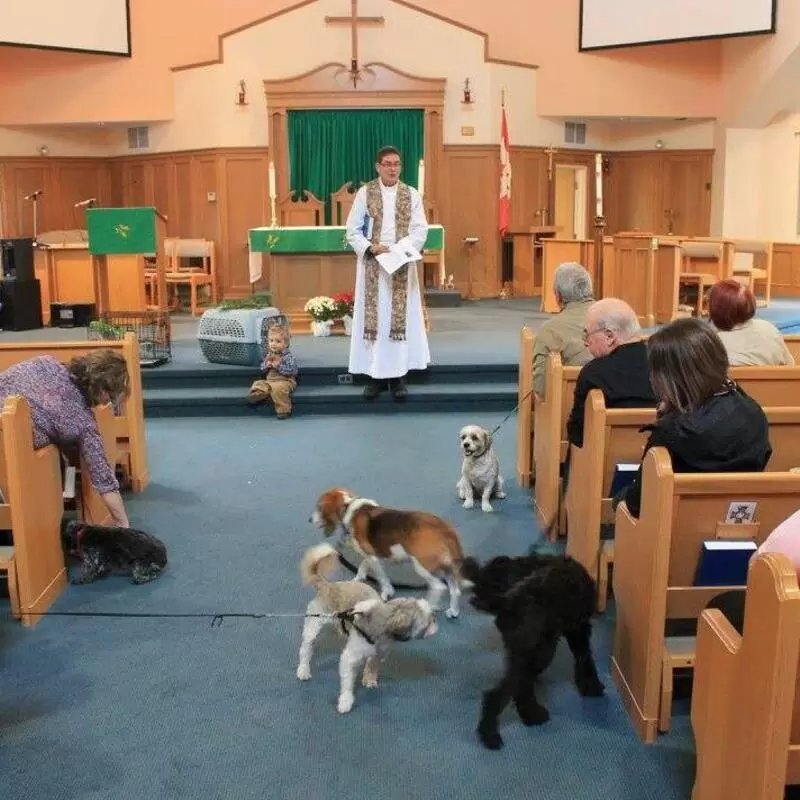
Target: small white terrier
(480, 469)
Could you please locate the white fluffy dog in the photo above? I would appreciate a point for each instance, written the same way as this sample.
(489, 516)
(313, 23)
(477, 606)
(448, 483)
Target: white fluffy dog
(480, 469)
(370, 624)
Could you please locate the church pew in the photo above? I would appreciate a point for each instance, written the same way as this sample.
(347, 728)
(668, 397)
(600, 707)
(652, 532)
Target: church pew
(793, 344)
(746, 698)
(32, 507)
(612, 436)
(769, 386)
(656, 559)
(130, 433)
(92, 507)
(526, 408)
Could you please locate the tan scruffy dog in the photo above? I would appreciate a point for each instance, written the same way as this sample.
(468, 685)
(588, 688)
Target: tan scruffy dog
(333, 597)
(371, 626)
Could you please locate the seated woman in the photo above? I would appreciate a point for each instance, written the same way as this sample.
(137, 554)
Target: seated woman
(705, 421)
(61, 397)
(748, 341)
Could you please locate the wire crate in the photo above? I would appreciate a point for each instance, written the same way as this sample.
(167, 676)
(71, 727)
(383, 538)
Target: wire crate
(152, 329)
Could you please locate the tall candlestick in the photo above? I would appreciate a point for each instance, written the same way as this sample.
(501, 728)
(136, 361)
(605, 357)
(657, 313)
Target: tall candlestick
(421, 179)
(598, 183)
(272, 192)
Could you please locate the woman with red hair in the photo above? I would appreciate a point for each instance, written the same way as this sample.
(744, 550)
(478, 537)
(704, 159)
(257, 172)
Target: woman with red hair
(749, 341)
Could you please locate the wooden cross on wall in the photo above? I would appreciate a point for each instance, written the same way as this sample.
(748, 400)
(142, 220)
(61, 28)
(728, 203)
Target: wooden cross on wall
(551, 151)
(354, 21)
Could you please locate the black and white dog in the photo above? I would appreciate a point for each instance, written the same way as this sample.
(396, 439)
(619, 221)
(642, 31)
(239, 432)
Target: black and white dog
(104, 551)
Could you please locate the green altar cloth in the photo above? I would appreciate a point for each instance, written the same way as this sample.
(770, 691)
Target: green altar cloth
(318, 239)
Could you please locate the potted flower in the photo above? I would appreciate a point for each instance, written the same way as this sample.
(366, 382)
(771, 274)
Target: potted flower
(344, 304)
(323, 311)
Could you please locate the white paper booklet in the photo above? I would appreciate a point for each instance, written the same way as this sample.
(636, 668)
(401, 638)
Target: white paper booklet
(397, 256)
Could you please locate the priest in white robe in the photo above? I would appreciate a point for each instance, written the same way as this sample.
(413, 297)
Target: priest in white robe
(388, 334)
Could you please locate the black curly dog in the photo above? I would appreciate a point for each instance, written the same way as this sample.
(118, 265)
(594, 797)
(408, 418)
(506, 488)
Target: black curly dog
(104, 551)
(535, 600)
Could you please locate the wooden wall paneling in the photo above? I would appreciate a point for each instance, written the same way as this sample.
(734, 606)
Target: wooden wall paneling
(185, 191)
(161, 175)
(25, 177)
(206, 215)
(786, 270)
(134, 191)
(471, 210)
(637, 192)
(116, 180)
(686, 191)
(245, 198)
(4, 221)
(76, 181)
(434, 142)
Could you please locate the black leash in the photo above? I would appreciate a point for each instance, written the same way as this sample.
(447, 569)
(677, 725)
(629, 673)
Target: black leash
(216, 619)
(512, 412)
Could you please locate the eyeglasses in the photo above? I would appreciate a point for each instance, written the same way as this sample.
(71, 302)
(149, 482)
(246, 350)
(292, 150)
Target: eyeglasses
(391, 164)
(588, 334)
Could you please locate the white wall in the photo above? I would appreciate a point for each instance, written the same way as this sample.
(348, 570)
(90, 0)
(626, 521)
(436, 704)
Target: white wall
(60, 140)
(762, 175)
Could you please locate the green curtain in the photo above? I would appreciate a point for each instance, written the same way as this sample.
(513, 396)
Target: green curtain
(328, 148)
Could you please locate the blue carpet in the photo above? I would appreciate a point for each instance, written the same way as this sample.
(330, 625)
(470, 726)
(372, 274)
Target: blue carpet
(101, 708)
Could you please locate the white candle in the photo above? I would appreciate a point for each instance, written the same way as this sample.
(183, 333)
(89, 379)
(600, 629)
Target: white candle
(421, 179)
(598, 184)
(272, 192)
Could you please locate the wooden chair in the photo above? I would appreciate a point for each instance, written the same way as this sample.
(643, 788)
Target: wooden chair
(746, 696)
(177, 273)
(705, 261)
(341, 203)
(753, 266)
(656, 559)
(130, 434)
(302, 212)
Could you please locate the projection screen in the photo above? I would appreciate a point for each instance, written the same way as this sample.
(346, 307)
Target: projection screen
(90, 26)
(606, 24)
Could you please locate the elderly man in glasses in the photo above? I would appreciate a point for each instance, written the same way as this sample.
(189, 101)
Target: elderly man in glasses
(388, 333)
(619, 363)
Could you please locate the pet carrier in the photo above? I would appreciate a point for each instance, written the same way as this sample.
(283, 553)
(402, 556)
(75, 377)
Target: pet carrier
(152, 329)
(235, 336)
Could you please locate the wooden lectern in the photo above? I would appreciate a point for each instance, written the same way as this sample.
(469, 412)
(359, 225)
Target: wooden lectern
(119, 241)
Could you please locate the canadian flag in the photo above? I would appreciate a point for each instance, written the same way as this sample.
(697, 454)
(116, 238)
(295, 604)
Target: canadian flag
(505, 176)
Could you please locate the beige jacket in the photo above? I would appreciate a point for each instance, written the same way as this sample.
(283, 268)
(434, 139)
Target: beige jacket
(756, 342)
(562, 334)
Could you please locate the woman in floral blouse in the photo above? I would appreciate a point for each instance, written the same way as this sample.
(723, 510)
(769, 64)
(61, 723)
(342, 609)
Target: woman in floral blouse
(61, 397)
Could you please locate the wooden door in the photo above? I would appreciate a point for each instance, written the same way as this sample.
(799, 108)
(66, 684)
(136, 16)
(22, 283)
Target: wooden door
(686, 194)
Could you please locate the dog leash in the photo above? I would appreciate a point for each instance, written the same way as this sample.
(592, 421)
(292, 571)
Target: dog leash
(512, 412)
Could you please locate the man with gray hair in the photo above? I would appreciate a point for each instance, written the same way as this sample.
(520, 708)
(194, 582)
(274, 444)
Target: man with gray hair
(619, 365)
(572, 286)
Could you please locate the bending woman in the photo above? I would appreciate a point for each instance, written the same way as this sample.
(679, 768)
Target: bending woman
(705, 421)
(61, 397)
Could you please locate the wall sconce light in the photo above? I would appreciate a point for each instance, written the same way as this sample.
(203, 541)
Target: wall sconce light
(43, 150)
(606, 164)
(467, 93)
(659, 144)
(241, 94)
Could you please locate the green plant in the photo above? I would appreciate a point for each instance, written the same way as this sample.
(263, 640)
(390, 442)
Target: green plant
(260, 300)
(106, 331)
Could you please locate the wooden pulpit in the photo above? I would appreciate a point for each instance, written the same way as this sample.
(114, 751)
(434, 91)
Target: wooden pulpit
(119, 240)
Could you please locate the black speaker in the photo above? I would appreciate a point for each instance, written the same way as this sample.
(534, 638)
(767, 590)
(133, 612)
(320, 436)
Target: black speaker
(16, 257)
(21, 308)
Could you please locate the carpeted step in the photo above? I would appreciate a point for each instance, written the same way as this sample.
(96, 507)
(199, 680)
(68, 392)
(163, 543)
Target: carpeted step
(222, 375)
(230, 400)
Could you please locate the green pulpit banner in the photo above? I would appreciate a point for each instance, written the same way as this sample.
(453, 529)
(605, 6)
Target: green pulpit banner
(122, 231)
(318, 239)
